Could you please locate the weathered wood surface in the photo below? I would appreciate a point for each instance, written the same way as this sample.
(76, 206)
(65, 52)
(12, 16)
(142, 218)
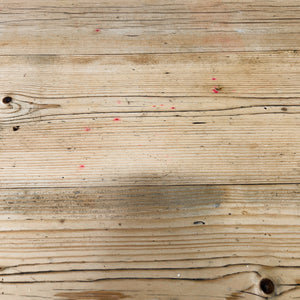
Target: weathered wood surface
(149, 150)
(36, 26)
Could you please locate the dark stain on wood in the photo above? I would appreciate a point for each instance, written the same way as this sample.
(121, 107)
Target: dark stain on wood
(131, 200)
(234, 296)
(85, 59)
(46, 106)
(2, 268)
(50, 59)
(143, 59)
(92, 295)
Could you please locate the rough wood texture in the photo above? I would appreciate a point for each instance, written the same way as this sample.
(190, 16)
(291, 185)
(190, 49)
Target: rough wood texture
(149, 150)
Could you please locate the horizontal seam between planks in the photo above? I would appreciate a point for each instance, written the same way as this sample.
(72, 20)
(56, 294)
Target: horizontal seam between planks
(167, 185)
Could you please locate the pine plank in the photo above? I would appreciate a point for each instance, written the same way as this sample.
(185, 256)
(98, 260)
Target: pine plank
(132, 121)
(160, 26)
(147, 243)
(149, 149)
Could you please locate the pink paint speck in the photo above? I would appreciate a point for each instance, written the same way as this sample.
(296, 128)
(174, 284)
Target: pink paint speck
(161, 105)
(116, 119)
(173, 107)
(214, 78)
(82, 166)
(153, 105)
(87, 129)
(215, 91)
(97, 30)
(119, 102)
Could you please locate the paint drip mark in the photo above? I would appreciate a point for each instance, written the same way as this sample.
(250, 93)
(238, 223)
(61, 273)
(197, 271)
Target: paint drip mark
(119, 101)
(214, 78)
(87, 129)
(82, 166)
(153, 105)
(215, 90)
(161, 105)
(97, 30)
(173, 107)
(116, 119)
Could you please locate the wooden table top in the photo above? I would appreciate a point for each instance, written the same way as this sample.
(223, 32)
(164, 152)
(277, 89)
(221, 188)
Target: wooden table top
(149, 150)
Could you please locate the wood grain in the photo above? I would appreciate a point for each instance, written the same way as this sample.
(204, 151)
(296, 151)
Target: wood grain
(170, 125)
(149, 150)
(92, 241)
(149, 26)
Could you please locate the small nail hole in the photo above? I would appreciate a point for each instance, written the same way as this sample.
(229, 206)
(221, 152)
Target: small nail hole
(267, 286)
(6, 100)
(15, 128)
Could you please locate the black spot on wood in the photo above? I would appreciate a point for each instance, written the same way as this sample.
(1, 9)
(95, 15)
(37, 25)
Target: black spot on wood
(267, 286)
(7, 100)
(199, 222)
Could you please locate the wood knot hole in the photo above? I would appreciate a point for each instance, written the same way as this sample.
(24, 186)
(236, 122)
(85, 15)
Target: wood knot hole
(7, 99)
(267, 286)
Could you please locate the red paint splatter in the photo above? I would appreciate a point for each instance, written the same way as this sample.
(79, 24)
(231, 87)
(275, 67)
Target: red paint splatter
(119, 102)
(161, 105)
(82, 166)
(97, 30)
(116, 119)
(87, 129)
(215, 91)
(153, 105)
(214, 78)
(173, 107)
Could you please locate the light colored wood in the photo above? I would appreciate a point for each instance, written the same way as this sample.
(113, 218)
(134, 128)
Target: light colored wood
(150, 149)
(238, 142)
(118, 239)
(36, 27)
